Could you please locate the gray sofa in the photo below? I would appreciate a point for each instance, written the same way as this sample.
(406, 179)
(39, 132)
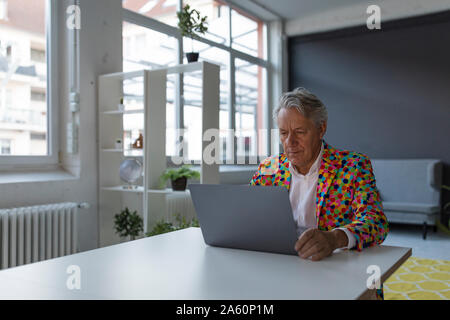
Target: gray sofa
(410, 190)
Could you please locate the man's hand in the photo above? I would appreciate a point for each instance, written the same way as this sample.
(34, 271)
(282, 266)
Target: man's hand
(319, 244)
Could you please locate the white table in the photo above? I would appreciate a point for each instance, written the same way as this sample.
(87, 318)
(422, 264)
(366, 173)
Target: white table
(179, 265)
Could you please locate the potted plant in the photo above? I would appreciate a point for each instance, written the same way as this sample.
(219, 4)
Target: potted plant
(178, 177)
(164, 226)
(190, 23)
(128, 224)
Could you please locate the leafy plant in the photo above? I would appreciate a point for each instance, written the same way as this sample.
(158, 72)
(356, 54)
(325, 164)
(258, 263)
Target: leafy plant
(190, 23)
(128, 224)
(160, 228)
(183, 224)
(164, 226)
(174, 174)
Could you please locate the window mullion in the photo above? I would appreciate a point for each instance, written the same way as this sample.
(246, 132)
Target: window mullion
(52, 80)
(232, 94)
(269, 89)
(179, 94)
(233, 54)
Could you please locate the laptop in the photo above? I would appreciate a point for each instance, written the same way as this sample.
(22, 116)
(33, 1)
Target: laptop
(257, 218)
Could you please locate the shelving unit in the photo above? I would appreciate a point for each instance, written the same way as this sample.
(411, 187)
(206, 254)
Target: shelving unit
(148, 198)
(123, 112)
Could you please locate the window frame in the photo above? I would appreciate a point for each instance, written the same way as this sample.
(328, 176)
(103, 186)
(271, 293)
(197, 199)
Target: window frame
(51, 159)
(133, 17)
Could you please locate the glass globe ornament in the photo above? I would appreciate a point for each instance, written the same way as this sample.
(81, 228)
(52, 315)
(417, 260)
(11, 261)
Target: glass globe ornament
(130, 171)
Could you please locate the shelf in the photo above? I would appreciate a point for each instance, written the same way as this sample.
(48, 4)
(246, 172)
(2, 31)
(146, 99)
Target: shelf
(114, 112)
(140, 189)
(167, 190)
(128, 152)
(149, 103)
(182, 68)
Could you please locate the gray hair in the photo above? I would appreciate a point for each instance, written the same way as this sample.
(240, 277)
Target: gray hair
(305, 102)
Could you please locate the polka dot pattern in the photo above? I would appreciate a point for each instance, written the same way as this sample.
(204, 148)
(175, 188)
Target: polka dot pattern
(347, 195)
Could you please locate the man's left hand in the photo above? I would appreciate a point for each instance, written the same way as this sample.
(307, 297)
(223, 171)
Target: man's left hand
(319, 244)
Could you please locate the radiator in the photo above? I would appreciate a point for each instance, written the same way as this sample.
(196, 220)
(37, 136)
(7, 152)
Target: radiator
(35, 233)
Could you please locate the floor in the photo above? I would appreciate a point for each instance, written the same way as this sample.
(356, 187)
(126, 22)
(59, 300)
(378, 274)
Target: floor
(436, 246)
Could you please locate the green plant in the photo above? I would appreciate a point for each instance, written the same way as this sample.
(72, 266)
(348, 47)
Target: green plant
(164, 226)
(174, 174)
(128, 224)
(190, 23)
(160, 228)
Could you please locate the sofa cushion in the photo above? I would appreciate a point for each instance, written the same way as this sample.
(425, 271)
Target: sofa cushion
(408, 180)
(410, 207)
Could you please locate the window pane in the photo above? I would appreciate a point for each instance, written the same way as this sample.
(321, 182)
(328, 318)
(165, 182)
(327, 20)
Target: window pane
(248, 34)
(217, 18)
(192, 99)
(161, 10)
(23, 79)
(250, 108)
(144, 48)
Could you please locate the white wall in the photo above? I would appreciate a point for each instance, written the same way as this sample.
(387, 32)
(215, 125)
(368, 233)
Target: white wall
(355, 15)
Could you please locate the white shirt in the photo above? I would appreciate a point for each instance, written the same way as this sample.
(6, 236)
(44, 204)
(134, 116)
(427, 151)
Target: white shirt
(302, 195)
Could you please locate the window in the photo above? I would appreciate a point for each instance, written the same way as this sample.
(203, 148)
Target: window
(250, 101)
(24, 83)
(37, 55)
(248, 34)
(235, 41)
(192, 99)
(162, 10)
(5, 147)
(218, 19)
(38, 96)
(144, 48)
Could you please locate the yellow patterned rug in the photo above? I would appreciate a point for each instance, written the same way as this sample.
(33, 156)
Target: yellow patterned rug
(419, 279)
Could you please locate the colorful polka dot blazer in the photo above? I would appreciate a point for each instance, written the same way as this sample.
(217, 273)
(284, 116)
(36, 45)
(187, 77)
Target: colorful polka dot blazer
(347, 195)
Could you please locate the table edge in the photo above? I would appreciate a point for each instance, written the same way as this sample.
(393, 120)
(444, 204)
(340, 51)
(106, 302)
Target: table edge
(369, 292)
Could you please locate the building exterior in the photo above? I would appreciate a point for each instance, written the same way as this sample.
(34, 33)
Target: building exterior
(23, 78)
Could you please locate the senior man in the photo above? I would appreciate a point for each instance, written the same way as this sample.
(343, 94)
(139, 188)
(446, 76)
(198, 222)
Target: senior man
(332, 192)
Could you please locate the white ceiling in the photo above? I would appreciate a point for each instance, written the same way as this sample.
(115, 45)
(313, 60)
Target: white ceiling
(294, 9)
(308, 16)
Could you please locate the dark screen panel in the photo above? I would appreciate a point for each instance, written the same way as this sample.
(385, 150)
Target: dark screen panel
(387, 92)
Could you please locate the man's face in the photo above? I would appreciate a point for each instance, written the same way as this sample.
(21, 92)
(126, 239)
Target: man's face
(300, 137)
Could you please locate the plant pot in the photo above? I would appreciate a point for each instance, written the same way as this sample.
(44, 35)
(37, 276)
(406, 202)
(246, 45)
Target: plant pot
(179, 184)
(192, 56)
